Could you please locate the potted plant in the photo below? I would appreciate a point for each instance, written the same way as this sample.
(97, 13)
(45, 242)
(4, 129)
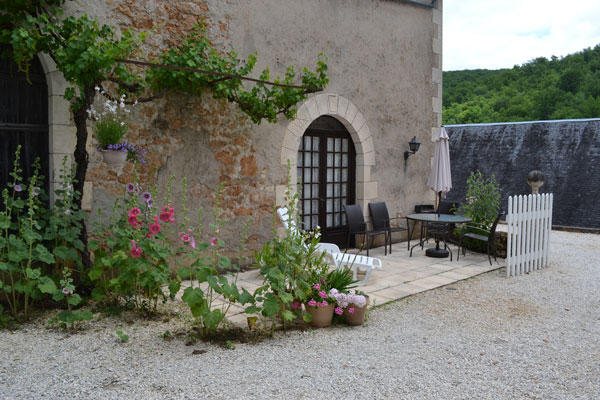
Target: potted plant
(109, 129)
(320, 305)
(354, 306)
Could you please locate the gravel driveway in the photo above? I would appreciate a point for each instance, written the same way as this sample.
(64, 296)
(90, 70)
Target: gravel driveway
(490, 337)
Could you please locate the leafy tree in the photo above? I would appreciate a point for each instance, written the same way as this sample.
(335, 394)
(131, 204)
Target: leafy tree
(540, 89)
(91, 55)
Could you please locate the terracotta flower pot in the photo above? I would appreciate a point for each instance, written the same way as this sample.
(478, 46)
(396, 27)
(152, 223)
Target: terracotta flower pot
(358, 316)
(114, 157)
(321, 316)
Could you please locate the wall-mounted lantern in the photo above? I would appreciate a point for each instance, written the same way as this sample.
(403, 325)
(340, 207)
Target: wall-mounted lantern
(413, 145)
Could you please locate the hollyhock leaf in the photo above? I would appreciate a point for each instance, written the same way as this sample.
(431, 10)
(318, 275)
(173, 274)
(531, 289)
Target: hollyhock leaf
(46, 285)
(288, 315)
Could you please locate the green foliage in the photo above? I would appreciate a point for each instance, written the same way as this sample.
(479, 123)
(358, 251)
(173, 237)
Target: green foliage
(540, 89)
(482, 200)
(34, 240)
(289, 265)
(133, 252)
(122, 336)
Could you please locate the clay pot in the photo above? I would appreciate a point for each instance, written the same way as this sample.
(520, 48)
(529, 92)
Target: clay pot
(114, 157)
(321, 316)
(358, 316)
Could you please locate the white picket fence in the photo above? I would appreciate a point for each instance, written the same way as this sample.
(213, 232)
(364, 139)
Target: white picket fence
(529, 221)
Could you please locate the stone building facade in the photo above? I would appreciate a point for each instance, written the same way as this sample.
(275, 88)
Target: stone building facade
(385, 69)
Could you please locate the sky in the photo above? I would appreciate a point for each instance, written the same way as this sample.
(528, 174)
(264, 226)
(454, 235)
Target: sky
(495, 34)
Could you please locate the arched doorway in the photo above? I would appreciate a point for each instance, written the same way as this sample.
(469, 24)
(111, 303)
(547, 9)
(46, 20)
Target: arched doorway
(327, 172)
(23, 120)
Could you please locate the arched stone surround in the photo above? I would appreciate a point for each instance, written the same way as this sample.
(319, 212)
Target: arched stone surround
(348, 114)
(61, 128)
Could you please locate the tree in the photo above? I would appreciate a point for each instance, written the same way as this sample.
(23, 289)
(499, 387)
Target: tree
(90, 56)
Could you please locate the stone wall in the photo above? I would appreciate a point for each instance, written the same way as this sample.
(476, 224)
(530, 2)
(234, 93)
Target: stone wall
(384, 59)
(567, 152)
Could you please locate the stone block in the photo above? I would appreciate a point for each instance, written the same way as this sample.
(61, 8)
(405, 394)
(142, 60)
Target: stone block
(87, 198)
(436, 104)
(56, 162)
(303, 114)
(297, 127)
(365, 159)
(48, 64)
(366, 190)
(291, 141)
(364, 133)
(280, 195)
(62, 138)
(358, 122)
(436, 46)
(322, 104)
(288, 154)
(56, 83)
(363, 173)
(332, 99)
(367, 145)
(59, 111)
(350, 113)
(437, 16)
(342, 106)
(312, 108)
(436, 75)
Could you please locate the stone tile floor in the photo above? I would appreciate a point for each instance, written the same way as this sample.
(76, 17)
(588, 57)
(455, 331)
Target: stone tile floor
(400, 275)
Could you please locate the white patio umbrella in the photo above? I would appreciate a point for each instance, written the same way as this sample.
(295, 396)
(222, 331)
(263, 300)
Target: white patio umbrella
(440, 178)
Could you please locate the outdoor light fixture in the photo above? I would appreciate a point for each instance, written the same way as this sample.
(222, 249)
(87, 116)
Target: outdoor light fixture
(413, 145)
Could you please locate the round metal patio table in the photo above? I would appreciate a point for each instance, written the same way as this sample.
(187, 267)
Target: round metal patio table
(440, 219)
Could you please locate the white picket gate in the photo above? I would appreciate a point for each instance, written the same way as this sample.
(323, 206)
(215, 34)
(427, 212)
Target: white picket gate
(529, 221)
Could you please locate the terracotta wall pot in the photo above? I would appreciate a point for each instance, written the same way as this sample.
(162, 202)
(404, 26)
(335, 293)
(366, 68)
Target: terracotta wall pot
(358, 317)
(321, 316)
(114, 157)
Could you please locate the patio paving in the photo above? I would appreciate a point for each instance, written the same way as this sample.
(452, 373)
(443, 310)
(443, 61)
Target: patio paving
(400, 276)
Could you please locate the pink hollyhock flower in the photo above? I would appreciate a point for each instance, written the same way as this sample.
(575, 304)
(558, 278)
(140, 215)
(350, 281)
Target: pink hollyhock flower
(148, 235)
(193, 243)
(296, 305)
(132, 221)
(154, 228)
(130, 187)
(146, 196)
(213, 241)
(135, 251)
(165, 216)
(317, 286)
(18, 188)
(338, 311)
(134, 212)
(185, 238)
(323, 295)
(312, 303)
(351, 310)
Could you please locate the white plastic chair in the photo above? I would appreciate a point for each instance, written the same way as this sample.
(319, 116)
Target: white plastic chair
(334, 255)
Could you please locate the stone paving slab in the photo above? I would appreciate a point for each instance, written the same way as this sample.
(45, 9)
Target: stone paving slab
(400, 276)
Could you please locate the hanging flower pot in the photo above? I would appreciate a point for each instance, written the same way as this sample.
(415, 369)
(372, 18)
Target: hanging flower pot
(114, 157)
(321, 315)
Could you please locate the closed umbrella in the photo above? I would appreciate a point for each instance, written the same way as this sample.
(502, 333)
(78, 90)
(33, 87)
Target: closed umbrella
(440, 178)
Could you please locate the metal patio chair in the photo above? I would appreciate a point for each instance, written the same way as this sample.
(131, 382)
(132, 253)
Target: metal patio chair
(358, 226)
(382, 221)
(484, 235)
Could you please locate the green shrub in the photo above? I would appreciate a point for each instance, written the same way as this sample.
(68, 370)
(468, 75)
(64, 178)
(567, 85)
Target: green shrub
(36, 242)
(482, 200)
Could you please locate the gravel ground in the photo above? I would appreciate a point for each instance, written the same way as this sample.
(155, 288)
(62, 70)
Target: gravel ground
(535, 336)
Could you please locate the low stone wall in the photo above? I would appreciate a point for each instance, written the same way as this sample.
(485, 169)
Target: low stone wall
(566, 151)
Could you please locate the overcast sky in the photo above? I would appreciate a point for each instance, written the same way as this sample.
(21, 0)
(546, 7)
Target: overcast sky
(497, 34)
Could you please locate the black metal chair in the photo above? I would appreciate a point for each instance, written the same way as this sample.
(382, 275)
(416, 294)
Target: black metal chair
(484, 235)
(358, 226)
(382, 221)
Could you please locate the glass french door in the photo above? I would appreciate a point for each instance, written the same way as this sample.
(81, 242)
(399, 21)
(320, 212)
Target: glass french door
(326, 176)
